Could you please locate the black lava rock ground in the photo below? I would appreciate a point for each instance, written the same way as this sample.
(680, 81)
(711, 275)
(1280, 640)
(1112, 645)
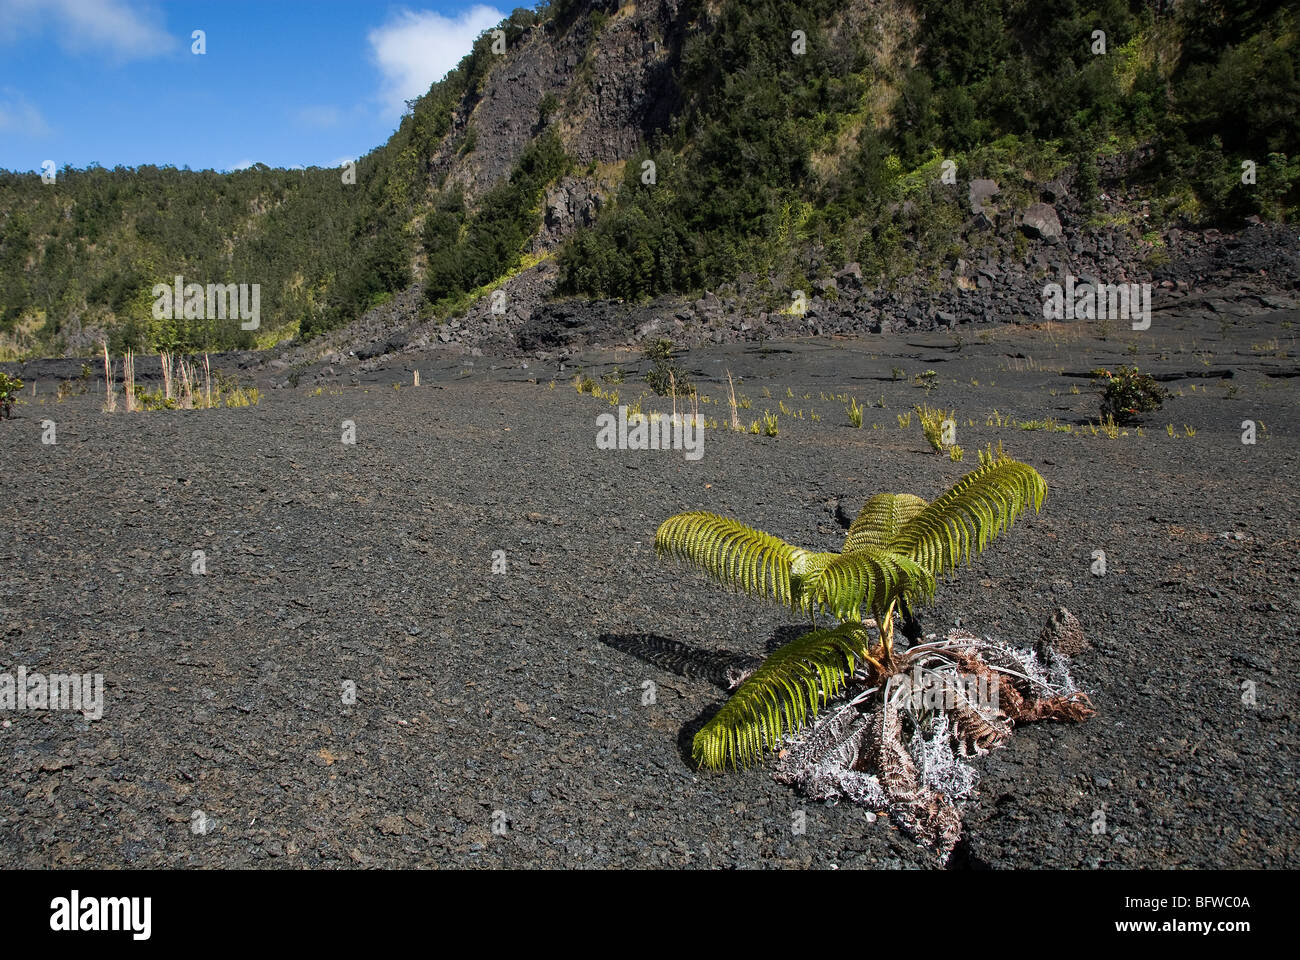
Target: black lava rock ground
(519, 696)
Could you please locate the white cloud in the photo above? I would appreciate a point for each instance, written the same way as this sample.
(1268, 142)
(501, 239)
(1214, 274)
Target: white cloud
(20, 118)
(122, 29)
(415, 49)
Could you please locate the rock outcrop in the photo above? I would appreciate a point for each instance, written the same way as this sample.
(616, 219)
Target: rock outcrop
(612, 79)
(1041, 222)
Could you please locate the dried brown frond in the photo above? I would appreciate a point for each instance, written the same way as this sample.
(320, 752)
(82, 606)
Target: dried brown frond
(881, 750)
(1072, 708)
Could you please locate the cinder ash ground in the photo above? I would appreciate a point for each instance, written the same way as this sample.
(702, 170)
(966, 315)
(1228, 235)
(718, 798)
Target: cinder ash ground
(522, 693)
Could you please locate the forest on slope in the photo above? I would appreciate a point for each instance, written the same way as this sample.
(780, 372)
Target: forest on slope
(818, 125)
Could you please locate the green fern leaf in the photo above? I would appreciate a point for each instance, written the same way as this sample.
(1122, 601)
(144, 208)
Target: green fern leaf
(732, 553)
(880, 520)
(873, 578)
(805, 575)
(780, 696)
(980, 506)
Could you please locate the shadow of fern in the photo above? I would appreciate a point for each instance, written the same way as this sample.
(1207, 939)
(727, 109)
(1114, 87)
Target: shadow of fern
(786, 634)
(722, 668)
(718, 667)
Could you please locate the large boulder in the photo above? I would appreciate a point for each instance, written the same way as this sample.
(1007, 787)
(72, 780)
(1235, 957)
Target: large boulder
(1041, 222)
(1063, 634)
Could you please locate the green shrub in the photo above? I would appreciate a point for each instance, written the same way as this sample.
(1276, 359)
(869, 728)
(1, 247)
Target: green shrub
(1128, 393)
(665, 375)
(9, 387)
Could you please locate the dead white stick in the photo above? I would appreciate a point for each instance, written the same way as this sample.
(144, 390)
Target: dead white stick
(128, 379)
(735, 413)
(110, 401)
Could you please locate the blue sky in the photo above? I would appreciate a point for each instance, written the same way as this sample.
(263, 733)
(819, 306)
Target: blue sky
(283, 82)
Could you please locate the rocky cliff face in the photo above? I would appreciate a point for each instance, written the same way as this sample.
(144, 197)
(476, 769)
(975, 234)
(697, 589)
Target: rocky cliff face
(1253, 269)
(1229, 273)
(574, 202)
(612, 83)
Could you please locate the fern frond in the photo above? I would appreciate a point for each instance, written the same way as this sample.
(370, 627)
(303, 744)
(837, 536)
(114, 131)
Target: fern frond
(732, 553)
(780, 696)
(880, 520)
(806, 574)
(872, 577)
(980, 506)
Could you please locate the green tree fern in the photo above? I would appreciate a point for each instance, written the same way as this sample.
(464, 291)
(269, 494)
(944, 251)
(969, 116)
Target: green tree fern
(894, 551)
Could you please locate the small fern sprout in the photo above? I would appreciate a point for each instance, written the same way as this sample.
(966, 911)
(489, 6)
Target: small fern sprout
(932, 421)
(854, 410)
(894, 552)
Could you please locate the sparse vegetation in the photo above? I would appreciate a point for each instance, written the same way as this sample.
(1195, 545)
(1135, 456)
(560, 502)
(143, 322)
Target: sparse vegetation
(1049, 424)
(927, 380)
(1128, 393)
(9, 387)
(666, 375)
(854, 410)
(932, 424)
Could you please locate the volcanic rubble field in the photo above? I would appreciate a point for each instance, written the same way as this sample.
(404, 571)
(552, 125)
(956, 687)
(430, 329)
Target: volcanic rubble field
(523, 692)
